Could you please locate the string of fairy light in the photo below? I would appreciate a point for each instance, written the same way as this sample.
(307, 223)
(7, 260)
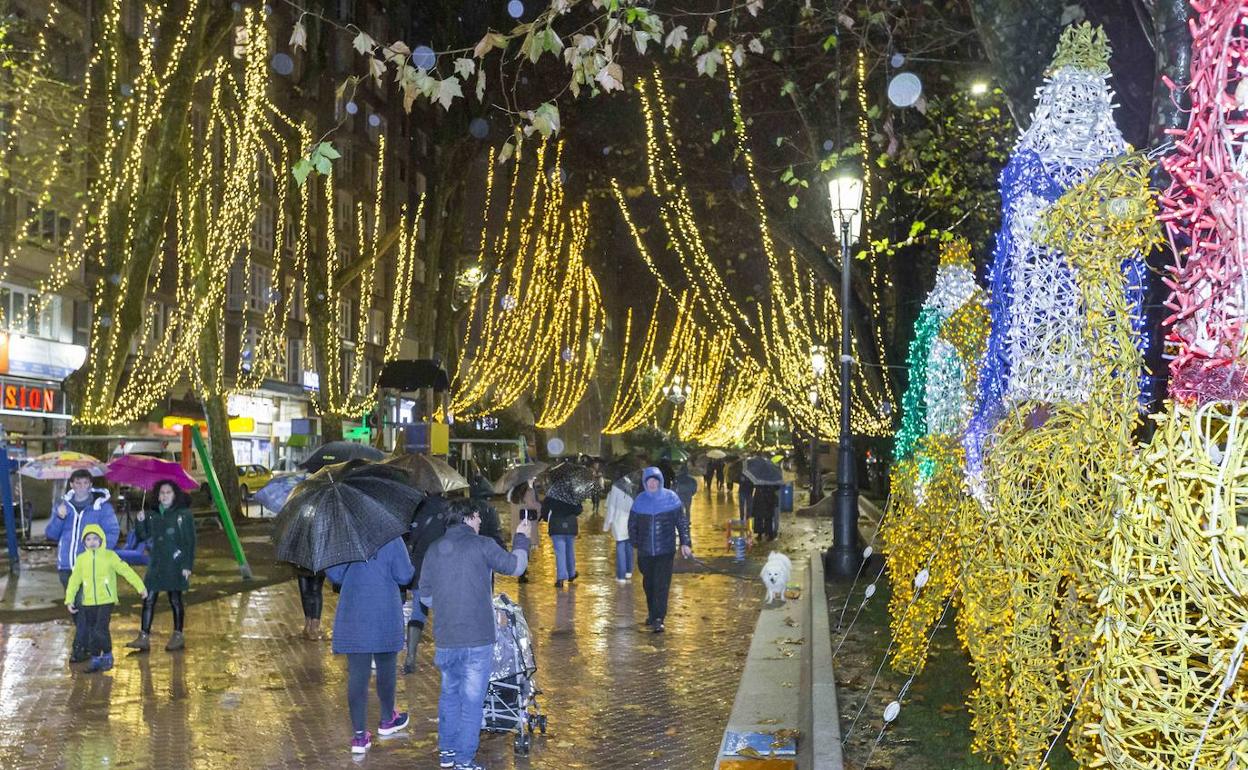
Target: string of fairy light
(246, 139)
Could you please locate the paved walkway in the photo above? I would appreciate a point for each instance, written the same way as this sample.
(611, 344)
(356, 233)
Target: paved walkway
(247, 693)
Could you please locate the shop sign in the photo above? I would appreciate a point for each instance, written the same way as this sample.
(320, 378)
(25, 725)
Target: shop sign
(37, 357)
(23, 397)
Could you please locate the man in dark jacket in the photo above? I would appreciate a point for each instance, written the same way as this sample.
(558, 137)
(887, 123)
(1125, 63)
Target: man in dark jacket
(656, 519)
(563, 528)
(455, 581)
(427, 527)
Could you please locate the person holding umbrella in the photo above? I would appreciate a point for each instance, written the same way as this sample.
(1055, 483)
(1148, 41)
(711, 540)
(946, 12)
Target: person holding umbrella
(170, 528)
(428, 526)
(81, 506)
(525, 506)
(349, 520)
(656, 520)
(368, 629)
(561, 524)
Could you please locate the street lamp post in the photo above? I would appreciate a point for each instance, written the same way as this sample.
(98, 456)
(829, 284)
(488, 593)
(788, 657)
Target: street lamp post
(845, 558)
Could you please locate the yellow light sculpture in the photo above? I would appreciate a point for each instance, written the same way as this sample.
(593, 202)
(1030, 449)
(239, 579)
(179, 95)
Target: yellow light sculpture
(1054, 470)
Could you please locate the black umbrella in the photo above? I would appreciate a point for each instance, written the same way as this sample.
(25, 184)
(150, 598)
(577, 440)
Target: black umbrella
(629, 483)
(520, 474)
(763, 472)
(340, 452)
(569, 482)
(344, 512)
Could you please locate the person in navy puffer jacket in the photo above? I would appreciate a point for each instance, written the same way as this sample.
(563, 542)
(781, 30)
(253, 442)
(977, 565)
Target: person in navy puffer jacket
(71, 514)
(657, 518)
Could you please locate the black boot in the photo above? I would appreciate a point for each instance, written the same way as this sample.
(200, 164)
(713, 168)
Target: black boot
(414, 631)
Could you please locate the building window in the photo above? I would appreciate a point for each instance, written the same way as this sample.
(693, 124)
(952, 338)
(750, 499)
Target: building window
(296, 300)
(259, 289)
(376, 325)
(46, 225)
(346, 319)
(347, 359)
(294, 361)
(24, 313)
(82, 323)
(247, 352)
(343, 218)
(156, 324)
(235, 286)
(365, 383)
(262, 229)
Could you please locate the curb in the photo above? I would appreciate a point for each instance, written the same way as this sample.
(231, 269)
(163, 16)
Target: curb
(822, 719)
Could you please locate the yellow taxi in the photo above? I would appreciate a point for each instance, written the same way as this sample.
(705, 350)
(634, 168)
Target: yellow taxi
(252, 477)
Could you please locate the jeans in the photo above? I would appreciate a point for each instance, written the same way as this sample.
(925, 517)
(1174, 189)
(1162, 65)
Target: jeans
(623, 559)
(359, 670)
(465, 676)
(80, 620)
(656, 572)
(96, 619)
(565, 556)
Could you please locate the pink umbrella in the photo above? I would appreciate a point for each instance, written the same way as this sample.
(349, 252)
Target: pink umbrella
(146, 472)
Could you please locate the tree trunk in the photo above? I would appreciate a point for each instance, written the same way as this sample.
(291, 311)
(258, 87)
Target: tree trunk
(221, 445)
(452, 259)
(220, 442)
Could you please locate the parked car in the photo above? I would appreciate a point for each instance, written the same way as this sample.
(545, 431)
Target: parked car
(251, 478)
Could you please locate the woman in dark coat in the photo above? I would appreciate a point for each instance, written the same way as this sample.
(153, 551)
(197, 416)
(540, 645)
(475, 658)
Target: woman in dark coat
(428, 525)
(655, 522)
(765, 508)
(170, 530)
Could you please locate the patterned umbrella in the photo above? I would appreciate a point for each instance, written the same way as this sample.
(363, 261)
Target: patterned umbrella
(343, 513)
(146, 472)
(568, 482)
(429, 474)
(763, 472)
(275, 494)
(338, 452)
(59, 465)
(521, 474)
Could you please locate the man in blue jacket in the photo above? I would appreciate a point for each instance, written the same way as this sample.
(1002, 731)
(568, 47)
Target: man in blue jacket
(455, 580)
(80, 506)
(658, 516)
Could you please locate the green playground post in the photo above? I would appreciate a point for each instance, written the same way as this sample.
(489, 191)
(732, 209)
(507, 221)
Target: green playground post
(218, 498)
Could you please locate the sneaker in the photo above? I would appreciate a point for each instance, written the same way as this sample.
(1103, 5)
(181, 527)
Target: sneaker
(558, 584)
(658, 627)
(628, 575)
(361, 742)
(101, 663)
(468, 766)
(575, 575)
(393, 724)
(649, 621)
(176, 642)
(523, 579)
(446, 758)
(621, 581)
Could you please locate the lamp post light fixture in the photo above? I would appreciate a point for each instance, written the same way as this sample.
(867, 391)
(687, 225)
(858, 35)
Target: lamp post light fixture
(679, 391)
(845, 558)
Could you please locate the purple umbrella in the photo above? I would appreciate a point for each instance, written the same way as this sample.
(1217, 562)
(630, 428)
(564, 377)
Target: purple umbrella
(146, 472)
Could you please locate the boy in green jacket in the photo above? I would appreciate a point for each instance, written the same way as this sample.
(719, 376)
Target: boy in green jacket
(96, 573)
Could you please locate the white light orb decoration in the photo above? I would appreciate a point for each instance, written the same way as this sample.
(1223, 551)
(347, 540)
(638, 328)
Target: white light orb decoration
(555, 447)
(905, 89)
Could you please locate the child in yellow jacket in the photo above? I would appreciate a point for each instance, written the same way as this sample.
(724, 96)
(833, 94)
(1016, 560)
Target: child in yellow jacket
(95, 573)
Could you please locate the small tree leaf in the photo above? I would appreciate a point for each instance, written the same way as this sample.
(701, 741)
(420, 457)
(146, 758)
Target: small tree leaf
(676, 38)
(464, 67)
(299, 36)
(364, 43)
(448, 90)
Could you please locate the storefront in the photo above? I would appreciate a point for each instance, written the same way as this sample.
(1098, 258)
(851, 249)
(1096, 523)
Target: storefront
(268, 437)
(31, 371)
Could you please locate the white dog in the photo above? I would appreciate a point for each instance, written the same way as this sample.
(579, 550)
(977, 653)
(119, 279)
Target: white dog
(775, 575)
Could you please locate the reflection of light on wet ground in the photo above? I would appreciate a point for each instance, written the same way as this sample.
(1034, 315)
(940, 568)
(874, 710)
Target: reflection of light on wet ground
(247, 693)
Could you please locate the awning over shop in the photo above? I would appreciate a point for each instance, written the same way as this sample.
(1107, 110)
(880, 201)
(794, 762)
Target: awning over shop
(298, 440)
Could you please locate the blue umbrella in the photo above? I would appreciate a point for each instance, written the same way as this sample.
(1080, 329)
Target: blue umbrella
(274, 494)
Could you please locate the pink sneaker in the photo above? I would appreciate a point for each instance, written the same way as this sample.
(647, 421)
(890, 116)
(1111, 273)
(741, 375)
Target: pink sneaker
(392, 725)
(361, 742)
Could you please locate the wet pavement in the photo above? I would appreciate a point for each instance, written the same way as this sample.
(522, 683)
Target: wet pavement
(248, 693)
